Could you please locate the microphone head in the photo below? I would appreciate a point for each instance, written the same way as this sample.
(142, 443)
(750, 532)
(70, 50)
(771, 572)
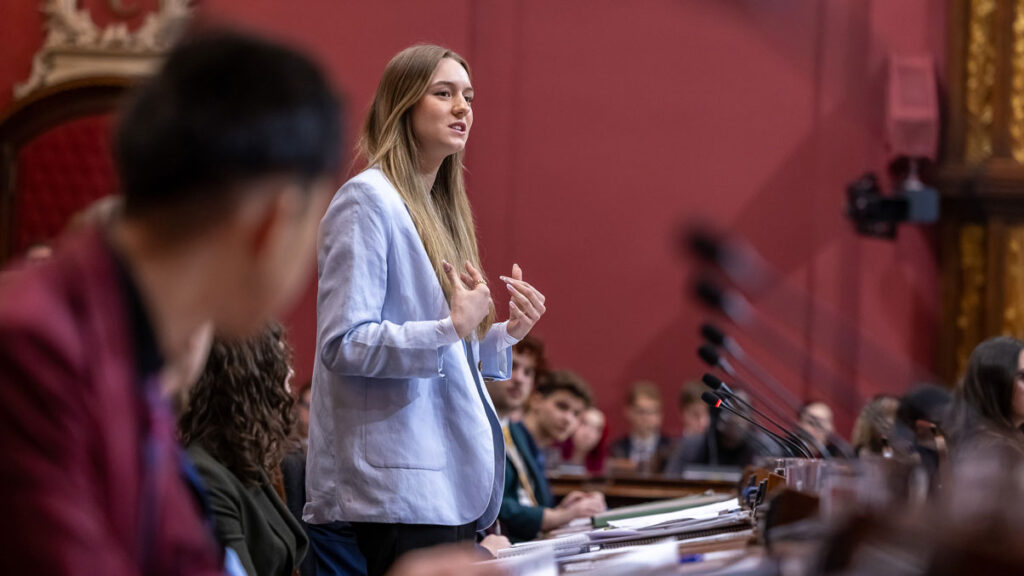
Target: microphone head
(711, 399)
(704, 245)
(712, 381)
(710, 294)
(709, 355)
(712, 334)
(728, 302)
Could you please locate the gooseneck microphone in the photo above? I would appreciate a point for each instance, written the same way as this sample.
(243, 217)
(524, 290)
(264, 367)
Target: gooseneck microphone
(709, 354)
(716, 336)
(715, 401)
(723, 391)
(712, 358)
(730, 303)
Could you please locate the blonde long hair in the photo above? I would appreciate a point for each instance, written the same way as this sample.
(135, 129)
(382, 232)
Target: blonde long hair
(443, 217)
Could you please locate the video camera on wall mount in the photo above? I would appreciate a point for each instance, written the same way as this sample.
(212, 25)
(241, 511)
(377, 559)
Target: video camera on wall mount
(912, 138)
(878, 215)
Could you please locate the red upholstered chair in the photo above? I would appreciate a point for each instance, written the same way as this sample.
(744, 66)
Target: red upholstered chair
(55, 140)
(55, 159)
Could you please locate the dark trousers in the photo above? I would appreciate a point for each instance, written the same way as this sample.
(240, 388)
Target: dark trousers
(383, 544)
(334, 551)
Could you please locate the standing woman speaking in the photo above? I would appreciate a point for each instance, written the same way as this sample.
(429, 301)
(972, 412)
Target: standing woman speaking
(404, 443)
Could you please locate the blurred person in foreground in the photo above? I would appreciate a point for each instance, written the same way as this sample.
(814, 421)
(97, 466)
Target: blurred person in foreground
(988, 404)
(237, 427)
(552, 415)
(226, 159)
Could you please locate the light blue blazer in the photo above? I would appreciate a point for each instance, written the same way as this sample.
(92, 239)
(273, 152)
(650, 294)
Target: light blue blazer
(401, 427)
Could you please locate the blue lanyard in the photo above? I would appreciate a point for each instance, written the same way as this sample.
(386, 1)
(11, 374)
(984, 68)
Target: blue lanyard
(159, 450)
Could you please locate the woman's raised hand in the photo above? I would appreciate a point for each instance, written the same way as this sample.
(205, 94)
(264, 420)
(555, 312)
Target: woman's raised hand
(471, 298)
(526, 306)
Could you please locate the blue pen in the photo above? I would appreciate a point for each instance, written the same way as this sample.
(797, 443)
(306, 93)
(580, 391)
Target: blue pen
(687, 559)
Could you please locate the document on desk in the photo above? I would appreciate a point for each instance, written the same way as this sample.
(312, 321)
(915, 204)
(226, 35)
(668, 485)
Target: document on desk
(704, 512)
(538, 562)
(659, 507)
(633, 561)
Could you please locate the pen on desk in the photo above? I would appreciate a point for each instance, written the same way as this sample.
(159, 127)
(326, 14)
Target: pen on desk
(690, 558)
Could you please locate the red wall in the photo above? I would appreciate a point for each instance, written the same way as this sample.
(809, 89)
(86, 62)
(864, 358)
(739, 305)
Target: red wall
(600, 125)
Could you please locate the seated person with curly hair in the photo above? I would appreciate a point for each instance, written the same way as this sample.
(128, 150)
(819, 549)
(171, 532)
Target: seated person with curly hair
(237, 427)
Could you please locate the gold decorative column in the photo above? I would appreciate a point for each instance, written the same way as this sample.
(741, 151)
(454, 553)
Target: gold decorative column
(1017, 84)
(980, 79)
(982, 180)
(969, 319)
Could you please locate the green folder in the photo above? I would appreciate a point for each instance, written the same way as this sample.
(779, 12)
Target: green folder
(660, 507)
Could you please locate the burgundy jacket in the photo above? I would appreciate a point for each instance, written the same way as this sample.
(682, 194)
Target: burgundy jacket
(89, 477)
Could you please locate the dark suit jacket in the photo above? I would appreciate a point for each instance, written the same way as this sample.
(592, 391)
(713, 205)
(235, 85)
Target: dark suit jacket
(522, 522)
(623, 447)
(697, 449)
(252, 520)
(73, 425)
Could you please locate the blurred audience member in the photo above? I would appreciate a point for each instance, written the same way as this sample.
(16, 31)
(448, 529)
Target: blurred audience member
(237, 427)
(815, 418)
(302, 410)
(97, 214)
(988, 405)
(210, 231)
(38, 252)
(528, 364)
(728, 441)
(693, 411)
(922, 421)
(552, 414)
(645, 449)
(586, 447)
(874, 424)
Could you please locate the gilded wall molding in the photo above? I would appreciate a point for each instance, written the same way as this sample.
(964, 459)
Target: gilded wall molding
(1017, 84)
(972, 276)
(75, 47)
(981, 78)
(1013, 283)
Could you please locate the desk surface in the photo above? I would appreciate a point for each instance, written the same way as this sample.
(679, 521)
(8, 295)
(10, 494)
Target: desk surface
(623, 489)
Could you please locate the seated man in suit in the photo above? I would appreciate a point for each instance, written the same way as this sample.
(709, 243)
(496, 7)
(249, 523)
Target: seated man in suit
(729, 441)
(694, 413)
(645, 449)
(552, 414)
(226, 160)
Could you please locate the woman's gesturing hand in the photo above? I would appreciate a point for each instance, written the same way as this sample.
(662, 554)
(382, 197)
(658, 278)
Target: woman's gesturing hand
(526, 306)
(471, 301)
